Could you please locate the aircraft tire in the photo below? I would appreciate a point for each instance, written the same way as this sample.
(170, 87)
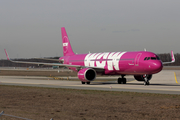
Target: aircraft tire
(83, 82)
(146, 83)
(124, 80)
(88, 83)
(119, 80)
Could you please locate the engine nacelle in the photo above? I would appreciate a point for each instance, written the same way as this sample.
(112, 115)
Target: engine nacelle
(87, 74)
(142, 77)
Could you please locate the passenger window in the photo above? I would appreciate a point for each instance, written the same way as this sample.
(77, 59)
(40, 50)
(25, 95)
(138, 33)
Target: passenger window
(145, 58)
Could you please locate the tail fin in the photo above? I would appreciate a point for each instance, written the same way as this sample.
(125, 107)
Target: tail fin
(67, 50)
(172, 56)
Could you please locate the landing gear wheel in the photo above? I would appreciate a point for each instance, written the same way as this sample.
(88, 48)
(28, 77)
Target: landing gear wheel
(88, 83)
(146, 83)
(124, 80)
(119, 80)
(83, 82)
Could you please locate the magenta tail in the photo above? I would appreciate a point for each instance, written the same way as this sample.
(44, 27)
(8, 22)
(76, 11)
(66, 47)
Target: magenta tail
(67, 49)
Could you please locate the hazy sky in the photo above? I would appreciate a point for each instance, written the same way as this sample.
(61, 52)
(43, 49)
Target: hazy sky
(32, 28)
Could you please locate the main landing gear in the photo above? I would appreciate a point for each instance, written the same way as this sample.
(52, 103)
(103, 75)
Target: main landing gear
(121, 80)
(85, 82)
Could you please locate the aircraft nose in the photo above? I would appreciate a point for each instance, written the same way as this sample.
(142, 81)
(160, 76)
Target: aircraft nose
(156, 66)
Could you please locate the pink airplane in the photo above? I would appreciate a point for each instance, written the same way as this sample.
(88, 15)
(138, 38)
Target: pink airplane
(140, 64)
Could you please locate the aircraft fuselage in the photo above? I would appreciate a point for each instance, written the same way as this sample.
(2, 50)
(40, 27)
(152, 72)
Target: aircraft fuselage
(118, 63)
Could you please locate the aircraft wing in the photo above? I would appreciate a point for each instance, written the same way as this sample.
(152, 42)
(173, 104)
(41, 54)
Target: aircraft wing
(98, 69)
(172, 59)
(57, 60)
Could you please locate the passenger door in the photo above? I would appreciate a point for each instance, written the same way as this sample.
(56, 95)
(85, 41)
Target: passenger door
(137, 59)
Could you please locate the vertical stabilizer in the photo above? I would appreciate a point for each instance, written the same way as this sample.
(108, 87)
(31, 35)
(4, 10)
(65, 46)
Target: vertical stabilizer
(67, 50)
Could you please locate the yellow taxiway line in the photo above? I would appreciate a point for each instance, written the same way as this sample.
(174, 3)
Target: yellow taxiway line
(176, 78)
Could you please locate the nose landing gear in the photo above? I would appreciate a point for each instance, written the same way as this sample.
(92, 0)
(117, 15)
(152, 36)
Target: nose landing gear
(146, 80)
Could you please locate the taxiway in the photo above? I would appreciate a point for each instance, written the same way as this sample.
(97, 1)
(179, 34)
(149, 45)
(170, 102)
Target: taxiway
(163, 82)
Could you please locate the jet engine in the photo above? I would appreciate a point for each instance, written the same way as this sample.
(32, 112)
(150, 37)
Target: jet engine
(143, 77)
(87, 74)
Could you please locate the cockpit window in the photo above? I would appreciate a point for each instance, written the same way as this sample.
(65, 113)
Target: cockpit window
(158, 58)
(153, 58)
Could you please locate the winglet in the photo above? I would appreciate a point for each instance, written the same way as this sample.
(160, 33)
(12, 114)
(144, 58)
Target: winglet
(2, 113)
(7, 54)
(172, 56)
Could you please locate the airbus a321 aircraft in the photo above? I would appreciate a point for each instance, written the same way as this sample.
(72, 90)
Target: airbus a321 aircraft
(140, 64)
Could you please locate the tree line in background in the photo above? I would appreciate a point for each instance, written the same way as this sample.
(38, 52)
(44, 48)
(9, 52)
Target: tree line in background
(167, 58)
(5, 63)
